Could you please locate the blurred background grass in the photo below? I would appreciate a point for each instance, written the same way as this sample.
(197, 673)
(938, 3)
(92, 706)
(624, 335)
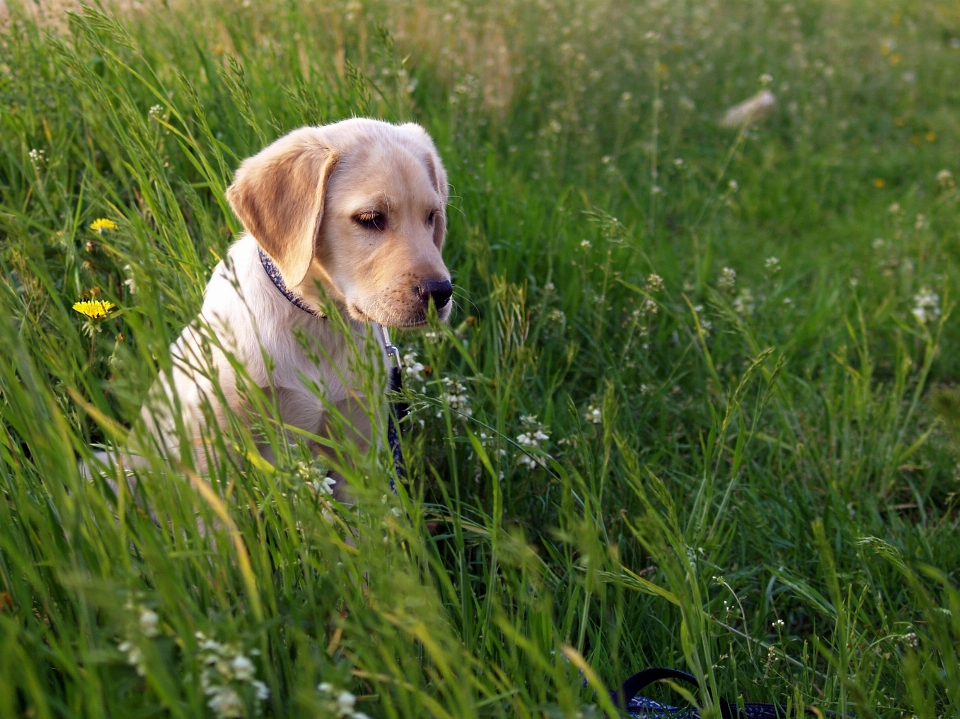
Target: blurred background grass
(695, 407)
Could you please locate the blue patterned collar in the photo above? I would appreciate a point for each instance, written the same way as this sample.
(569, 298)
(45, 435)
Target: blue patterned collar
(273, 272)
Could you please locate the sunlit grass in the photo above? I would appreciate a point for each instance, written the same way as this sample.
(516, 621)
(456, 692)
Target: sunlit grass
(694, 407)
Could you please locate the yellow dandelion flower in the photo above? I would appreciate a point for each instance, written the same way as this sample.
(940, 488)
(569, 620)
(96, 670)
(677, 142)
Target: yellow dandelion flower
(94, 309)
(879, 183)
(101, 224)
(895, 58)
(931, 136)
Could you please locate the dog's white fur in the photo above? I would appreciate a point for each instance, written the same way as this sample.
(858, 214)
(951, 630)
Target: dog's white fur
(353, 215)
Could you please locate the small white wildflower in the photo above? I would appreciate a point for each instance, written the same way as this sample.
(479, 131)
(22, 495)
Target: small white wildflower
(654, 283)
(911, 640)
(894, 209)
(878, 243)
(772, 264)
(37, 158)
(733, 185)
(787, 301)
(433, 337)
(456, 397)
(130, 282)
(242, 668)
(557, 316)
(226, 703)
(224, 665)
(766, 79)
(261, 690)
(533, 439)
(926, 305)
(549, 287)
(155, 112)
(743, 303)
(646, 389)
(594, 415)
(134, 657)
(346, 701)
(921, 221)
(325, 687)
(779, 624)
(324, 487)
(411, 368)
(945, 179)
(148, 622)
(728, 279)
(678, 161)
(586, 244)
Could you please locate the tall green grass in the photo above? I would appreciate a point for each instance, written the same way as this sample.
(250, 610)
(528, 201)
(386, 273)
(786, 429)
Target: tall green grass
(729, 339)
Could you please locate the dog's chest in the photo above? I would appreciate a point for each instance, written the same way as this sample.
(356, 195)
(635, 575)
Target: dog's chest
(315, 375)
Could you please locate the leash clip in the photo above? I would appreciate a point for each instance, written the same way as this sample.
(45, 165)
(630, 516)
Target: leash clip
(391, 350)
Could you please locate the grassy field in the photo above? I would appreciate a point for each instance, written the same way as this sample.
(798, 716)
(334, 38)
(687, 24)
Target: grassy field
(695, 406)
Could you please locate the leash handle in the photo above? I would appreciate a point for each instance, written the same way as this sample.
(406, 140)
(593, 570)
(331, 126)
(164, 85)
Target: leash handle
(635, 684)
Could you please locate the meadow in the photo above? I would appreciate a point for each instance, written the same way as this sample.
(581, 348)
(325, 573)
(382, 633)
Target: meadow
(695, 407)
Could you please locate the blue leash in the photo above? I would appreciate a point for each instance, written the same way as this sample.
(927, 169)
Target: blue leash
(642, 707)
(398, 409)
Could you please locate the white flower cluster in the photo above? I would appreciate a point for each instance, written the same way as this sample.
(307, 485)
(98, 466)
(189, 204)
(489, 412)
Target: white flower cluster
(654, 283)
(533, 440)
(945, 180)
(728, 279)
(772, 264)
(313, 475)
(341, 702)
(456, 398)
(225, 668)
(926, 305)
(593, 415)
(148, 622)
(130, 282)
(412, 370)
(743, 303)
(134, 656)
(155, 112)
(37, 157)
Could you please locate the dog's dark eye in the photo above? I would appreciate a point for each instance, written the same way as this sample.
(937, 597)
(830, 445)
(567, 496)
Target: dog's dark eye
(431, 217)
(371, 220)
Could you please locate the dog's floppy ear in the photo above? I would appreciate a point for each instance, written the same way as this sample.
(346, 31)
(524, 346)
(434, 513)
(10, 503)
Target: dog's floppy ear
(278, 196)
(438, 176)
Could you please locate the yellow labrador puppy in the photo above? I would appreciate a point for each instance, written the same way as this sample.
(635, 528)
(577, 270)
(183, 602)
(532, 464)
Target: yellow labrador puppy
(347, 218)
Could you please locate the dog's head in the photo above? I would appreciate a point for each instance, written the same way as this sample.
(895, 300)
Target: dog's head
(358, 207)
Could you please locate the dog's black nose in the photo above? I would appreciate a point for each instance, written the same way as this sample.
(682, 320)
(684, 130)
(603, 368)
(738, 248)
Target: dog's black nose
(437, 290)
